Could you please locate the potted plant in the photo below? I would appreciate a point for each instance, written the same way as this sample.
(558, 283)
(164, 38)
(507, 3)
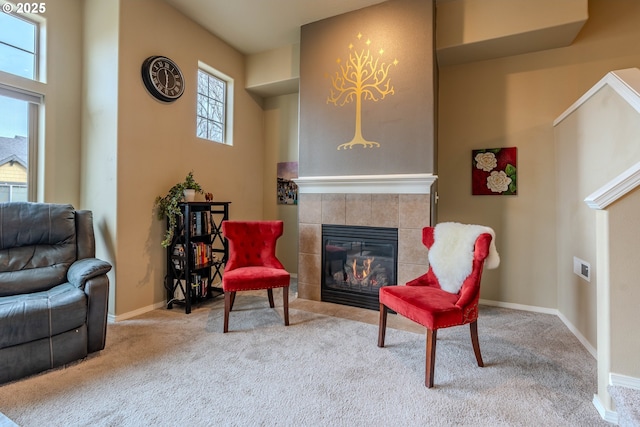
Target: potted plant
(168, 206)
(190, 187)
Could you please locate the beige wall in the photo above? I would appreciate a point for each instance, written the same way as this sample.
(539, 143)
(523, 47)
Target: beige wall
(281, 145)
(275, 72)
(141, 147)
(470, 30)
(596, 143)
(100, 128)
(513, 102)
(63, 103)
(624, 234)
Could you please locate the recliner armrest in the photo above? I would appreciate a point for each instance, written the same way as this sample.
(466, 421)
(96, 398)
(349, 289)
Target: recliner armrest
(85, 269)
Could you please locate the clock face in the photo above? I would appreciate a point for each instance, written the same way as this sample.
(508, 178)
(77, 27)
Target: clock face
(162, 78)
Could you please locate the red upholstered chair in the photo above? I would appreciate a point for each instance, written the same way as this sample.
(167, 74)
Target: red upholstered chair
(253, 263)
(424, 300)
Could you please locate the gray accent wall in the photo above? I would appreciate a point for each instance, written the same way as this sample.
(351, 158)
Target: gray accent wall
(402, 122)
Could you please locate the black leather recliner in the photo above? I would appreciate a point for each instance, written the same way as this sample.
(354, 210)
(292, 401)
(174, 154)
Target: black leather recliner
(53, 291)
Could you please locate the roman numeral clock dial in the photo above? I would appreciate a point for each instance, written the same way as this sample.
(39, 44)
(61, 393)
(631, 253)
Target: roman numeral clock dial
(162, 78)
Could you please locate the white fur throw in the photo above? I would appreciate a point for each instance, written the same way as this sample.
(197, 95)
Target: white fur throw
(451, 256)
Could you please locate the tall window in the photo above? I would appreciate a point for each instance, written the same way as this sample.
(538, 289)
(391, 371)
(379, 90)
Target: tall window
(18, 108)
(213, 120)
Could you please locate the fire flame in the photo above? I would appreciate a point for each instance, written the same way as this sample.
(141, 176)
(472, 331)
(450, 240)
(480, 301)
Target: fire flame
(366, 269)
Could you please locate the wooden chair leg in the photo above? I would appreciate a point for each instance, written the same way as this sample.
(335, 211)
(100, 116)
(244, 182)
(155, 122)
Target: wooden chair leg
(285, 304)
(431, 357)
(227, 308)
(233, 299)
(270, 295)
(475, 342)
(382, 326)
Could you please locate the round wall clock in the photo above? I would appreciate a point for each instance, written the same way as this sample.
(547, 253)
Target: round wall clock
(162, 78)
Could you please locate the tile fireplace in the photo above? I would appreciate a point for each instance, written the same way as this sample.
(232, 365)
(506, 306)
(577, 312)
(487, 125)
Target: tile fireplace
(398, 202)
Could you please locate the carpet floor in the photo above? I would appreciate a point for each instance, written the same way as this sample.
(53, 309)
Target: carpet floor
(165, 368)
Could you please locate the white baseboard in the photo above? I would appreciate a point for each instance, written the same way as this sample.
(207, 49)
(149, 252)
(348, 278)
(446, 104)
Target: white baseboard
(522, 307)
(605, 414)
(616, 380)
(624, 381)
(113, 318)
(591, 349)
(585, 343)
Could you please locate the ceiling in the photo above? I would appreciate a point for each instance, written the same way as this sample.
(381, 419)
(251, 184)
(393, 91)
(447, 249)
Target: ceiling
(253, 26)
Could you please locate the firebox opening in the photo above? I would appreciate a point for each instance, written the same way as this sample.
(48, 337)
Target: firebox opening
(356, 262)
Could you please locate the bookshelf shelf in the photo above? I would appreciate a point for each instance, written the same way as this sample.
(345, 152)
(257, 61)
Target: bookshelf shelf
(197, 254)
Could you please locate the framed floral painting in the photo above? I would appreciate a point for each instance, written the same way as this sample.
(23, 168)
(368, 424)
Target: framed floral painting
(494, 171)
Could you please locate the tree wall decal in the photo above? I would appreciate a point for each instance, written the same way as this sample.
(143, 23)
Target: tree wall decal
(362, 77)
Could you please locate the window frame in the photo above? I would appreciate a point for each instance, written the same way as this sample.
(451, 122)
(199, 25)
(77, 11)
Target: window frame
(228, 103)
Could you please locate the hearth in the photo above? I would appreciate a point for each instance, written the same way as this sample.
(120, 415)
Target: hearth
(356, 262)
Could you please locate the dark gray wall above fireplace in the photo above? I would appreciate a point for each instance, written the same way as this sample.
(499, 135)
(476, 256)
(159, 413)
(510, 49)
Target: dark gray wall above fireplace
(398, 34)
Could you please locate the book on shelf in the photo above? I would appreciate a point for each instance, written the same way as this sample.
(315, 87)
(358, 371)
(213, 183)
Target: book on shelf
(200, 253)
(199, 285)
(200, 223)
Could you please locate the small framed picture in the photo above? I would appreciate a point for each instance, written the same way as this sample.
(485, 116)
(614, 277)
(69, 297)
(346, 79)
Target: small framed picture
(287, 188)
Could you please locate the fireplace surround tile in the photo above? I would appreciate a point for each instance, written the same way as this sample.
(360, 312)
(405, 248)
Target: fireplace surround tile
(384, 210)
(333, 209)
(309, 276)
(410, 247)
(358, 209)
(407, 272)
(309, 236)
(310, 208)
(413, 209)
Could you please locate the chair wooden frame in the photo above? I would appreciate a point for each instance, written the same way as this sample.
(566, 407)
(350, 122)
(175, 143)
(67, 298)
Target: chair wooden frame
(431, 345)
(230, 297)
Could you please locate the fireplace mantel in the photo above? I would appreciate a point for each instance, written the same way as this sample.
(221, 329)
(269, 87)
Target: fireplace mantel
(367, 184)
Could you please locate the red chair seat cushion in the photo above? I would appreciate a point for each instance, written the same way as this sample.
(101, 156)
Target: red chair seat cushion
(254, 277)
(428, 306)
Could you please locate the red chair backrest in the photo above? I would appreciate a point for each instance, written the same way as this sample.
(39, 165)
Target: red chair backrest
(252, 243)
(470, 291)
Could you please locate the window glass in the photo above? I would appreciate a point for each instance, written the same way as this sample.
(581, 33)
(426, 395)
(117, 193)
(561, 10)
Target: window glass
(14, 149)
(211, 110)
(4, 193)
(18, 46)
